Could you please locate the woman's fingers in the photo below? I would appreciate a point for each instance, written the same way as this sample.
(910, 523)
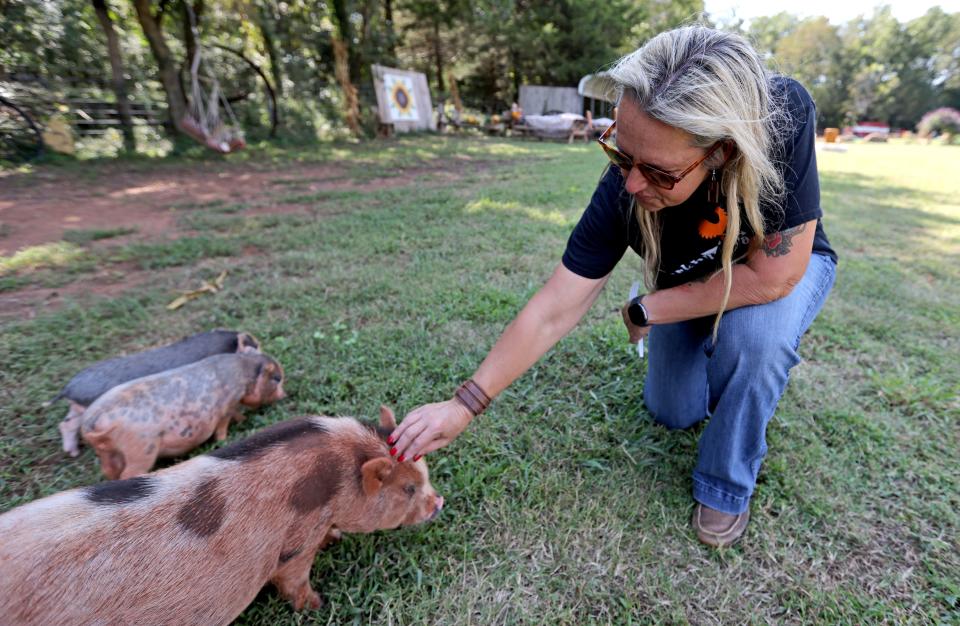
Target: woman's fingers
(402, 440)
(429, 428)
(426, 438)
(408, 422)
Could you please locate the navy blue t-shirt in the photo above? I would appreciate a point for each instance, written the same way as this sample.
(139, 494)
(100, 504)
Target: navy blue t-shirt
(691, 234)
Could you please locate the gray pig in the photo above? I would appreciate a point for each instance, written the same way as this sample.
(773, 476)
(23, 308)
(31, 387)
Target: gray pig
(84, 388)
(173, 412)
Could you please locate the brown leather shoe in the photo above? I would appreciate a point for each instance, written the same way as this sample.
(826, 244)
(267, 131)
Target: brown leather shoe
(718, 529)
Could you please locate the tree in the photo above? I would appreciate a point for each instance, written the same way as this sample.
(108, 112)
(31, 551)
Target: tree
(940, 33)
(433, 25)
(812, 53)
(766, 32)
(118, 81)
(152, 24)
(342, 34)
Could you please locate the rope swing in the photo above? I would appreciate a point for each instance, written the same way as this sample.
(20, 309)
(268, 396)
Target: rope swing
(203, 121)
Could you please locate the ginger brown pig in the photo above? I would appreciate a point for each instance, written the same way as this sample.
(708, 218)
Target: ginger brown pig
(84, 388)
(173, 412)
(194, 543)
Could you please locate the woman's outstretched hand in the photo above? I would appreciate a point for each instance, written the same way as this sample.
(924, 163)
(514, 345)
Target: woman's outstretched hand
(428, 428)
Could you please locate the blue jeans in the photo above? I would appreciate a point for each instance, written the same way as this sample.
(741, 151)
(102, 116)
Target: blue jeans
(737, 382)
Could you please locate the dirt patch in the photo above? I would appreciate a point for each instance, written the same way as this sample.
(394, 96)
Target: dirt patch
(41, 207)
(26, 303)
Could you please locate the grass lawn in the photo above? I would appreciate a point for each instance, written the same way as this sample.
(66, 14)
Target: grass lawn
(565, 504)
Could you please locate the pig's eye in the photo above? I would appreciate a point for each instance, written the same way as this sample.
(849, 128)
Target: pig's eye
(277, 378)
(410, 490)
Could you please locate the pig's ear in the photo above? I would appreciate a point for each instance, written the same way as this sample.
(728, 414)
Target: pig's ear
(387, 419)
(374, 472)
(247, 343)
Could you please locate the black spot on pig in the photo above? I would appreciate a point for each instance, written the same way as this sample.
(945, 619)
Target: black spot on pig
(120, 491)
(203, 513)
(258, 444)
(318, 486)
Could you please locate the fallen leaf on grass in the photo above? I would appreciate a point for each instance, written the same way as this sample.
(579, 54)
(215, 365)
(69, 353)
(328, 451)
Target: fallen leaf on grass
(206, 287)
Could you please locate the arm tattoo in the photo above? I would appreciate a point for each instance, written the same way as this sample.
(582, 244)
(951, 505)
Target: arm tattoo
(778, 244)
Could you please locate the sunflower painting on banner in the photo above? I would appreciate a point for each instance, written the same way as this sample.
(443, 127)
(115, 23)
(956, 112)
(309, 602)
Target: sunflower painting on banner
(403, 99)
(401, 102)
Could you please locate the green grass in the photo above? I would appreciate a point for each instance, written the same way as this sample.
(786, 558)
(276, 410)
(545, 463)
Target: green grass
(84, 236)
(57, 254)
(565, 504)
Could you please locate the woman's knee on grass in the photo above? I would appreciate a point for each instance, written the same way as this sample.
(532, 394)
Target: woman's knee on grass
(673, 410)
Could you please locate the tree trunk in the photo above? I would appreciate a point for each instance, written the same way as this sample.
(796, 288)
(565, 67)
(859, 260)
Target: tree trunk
(265, 23)
(517, 79)
(167, 68)
(391, 33)
(118, 81)
(343, 64)
(437, 53)
(342, 70)
(454, 92)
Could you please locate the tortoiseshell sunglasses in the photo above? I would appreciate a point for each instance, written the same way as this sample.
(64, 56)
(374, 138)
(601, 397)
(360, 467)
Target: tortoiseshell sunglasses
(656, 176)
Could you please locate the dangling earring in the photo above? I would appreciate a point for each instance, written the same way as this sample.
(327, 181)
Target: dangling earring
(713, 190)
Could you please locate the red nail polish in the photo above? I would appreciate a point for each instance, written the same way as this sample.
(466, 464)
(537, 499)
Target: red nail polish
(393, 452)
(390, 440)
(418, 457)
(400, 460)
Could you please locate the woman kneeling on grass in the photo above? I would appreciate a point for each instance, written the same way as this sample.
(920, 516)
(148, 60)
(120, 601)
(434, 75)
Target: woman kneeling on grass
(710, 150)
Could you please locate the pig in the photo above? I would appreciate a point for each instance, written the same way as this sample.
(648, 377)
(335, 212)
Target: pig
(173, 412)
(84, 388)
(194, 543)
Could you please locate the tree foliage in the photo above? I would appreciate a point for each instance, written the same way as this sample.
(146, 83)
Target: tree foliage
(872, 67)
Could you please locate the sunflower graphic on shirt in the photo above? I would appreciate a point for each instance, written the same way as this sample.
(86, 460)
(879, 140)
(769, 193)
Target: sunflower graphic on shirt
(714, 225)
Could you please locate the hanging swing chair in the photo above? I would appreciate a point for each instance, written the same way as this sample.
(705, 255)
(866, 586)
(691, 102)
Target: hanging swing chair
(203, 120)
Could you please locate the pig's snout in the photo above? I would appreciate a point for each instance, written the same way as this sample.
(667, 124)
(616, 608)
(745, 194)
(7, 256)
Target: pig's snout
(280, 393)
(438, 504)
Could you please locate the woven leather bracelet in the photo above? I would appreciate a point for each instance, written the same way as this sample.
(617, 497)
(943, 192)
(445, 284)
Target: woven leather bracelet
(473, 397)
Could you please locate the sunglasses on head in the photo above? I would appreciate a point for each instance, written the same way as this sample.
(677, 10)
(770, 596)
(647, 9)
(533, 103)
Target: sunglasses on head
(656, 176)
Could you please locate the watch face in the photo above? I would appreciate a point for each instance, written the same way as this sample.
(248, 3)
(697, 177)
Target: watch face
(637, 314)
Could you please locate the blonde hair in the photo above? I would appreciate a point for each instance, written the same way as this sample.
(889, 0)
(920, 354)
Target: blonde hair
(714, 86)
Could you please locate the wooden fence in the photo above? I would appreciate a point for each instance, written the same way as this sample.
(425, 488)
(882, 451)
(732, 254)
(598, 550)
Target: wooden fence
(96, 117)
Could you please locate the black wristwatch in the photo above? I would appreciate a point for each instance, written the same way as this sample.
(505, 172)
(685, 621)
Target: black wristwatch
(638, 312)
